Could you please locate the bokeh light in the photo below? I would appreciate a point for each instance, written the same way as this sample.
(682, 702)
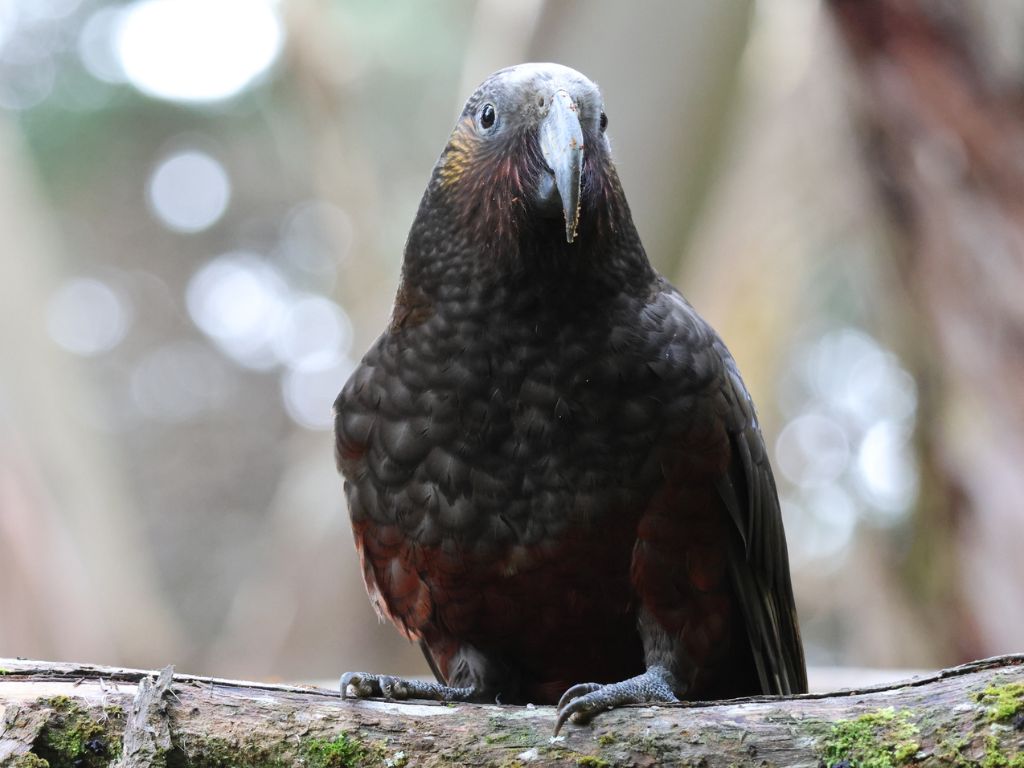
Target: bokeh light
(86, 316)
(33, 37)
(39, 10)
(887, 470)
(24, 85)
(8, 20)
(820, 524)
(857, 378)
(238, 300)
(189, 191)
(812, 450)
(845, 452)
(246, 307)
(308, 394)
(314, 333)
(197, 50)
(96, 45)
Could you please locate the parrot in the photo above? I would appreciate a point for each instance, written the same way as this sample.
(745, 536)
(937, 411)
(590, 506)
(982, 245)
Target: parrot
(556, 478)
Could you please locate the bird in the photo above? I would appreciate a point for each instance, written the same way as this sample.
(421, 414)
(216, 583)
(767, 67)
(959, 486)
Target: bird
(556, 478)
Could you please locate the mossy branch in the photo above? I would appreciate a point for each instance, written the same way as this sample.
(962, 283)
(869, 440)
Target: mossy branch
(88, 717)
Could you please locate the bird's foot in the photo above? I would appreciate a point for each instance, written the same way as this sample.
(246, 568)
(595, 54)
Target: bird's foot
(581, 702)
(365, 685)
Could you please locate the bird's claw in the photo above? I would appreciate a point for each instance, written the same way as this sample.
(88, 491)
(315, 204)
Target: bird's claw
(365, 685)
(581, 702)
(578, 690)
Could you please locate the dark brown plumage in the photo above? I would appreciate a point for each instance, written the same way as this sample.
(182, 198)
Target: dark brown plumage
(554, 471)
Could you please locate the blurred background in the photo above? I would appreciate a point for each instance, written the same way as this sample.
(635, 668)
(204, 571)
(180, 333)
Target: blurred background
(203, 205)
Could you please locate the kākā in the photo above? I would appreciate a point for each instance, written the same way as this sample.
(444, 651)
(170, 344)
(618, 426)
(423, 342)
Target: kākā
(556, 479)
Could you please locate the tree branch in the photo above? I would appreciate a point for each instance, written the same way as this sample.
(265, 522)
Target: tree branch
(89, 716)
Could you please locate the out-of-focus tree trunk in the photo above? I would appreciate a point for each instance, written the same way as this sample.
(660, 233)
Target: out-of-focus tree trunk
(941, 95)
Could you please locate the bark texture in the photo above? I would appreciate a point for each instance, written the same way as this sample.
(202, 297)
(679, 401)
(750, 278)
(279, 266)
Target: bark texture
(74, 715)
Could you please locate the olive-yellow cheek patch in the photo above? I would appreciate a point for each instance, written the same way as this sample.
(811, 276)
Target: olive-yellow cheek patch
(458, 156)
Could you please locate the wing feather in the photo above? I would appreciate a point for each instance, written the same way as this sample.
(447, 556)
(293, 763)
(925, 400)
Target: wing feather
(761, 576)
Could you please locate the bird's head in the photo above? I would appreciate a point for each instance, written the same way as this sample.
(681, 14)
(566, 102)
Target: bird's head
(529, 158)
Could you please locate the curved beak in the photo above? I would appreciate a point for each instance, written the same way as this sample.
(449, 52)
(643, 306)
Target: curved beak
(561, 143)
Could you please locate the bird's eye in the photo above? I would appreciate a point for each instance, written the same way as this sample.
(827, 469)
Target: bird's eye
(487, 116)
(604, 121)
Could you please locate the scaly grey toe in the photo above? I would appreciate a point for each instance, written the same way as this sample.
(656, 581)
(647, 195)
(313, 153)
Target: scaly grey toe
(581, 702)
(363, 685)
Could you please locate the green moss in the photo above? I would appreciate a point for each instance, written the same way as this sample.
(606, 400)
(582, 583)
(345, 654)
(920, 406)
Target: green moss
(343, 751)
(952, 751)
(500, 732)
(880, 739)
(224, 753)
(556, 754)
(515, 737)
(648, 744)
(1002, 702)
(29, 761)
(589, 761)
(71, 737)
(995, 757)
(606, 739)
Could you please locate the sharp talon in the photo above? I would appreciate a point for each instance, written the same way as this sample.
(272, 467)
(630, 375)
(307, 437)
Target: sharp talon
(582, 702)
(394, 687)
(347, 680)
(559, 723)
(580, 689)
(362, 684)
(583, 709)
(571, 704)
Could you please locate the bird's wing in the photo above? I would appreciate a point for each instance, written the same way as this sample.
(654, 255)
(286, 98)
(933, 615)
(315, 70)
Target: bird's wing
(710, 541)
(761, 578)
